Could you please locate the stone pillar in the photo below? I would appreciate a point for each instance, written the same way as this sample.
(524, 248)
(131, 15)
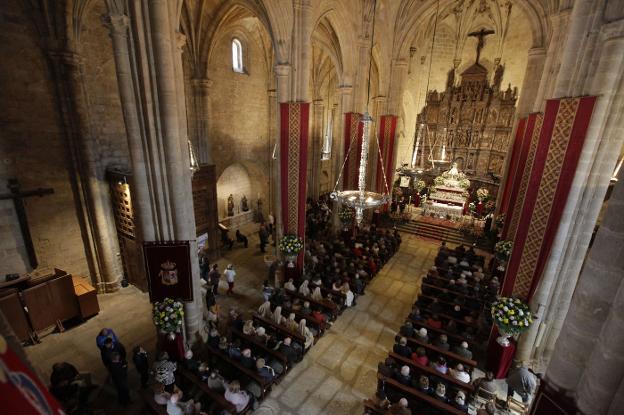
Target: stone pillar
(379, 109)
(598, 159)
(318, 112)
(273, 142)
(89, 183)
(282, 73)
(152, 97)
(302, 51)
(201, 104)
(344, 106)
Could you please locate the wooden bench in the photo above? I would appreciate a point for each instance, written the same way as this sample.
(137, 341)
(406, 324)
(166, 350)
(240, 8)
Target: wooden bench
(448, 355)
(270, 324)
(239, 369)
(212, 395)
(324, 305)
(454, 292)
(416, 395)
(457, 339)
(449, 318)
(259, 348)
(310, 322)
(467, 387)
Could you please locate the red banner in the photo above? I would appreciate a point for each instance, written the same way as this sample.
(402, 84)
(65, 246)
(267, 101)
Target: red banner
(557, 153)
(294, 119)
(168, 270)
(387, 131)
(353, 131)
(513, 165)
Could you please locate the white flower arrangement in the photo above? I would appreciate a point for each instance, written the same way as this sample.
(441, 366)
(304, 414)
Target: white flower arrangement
(503, 248)
(511, 315)
(167, 315)
(419, 185)
(290, 245)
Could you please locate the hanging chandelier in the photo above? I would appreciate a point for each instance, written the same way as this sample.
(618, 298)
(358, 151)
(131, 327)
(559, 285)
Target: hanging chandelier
(362, 199)
(327, 141)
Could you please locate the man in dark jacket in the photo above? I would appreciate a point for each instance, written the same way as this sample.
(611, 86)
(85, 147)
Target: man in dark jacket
(119, 374)
(141, 362)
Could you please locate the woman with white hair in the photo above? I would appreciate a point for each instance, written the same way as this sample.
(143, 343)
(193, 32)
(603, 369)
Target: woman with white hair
(290, 322)
(265, 309)
(316, 294)
(248, 328)
(304, 289)
(277, 315)
(290, 285)
(305, 332)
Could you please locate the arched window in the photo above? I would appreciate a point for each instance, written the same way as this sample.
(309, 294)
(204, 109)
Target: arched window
(237, 56)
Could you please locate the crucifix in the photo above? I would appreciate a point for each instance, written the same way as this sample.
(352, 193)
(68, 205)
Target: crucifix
(20, 209)
(481, 34)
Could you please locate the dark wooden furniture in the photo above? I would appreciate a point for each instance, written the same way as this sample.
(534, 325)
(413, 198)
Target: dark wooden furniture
(87, 298)
(12, 309)
(453, 357)
(212, 395)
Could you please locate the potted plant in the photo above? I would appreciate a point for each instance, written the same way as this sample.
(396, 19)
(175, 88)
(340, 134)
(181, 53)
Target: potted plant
(512, 317)
(290, 246)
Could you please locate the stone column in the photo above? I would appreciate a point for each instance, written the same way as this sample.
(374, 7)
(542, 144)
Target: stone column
(201, 103)
(152, 97)
(379, 109)
(273, 142)
(89, 183)
(318, 112)
(344, 106)
(282, 72)
(302, 51)
(554, 292)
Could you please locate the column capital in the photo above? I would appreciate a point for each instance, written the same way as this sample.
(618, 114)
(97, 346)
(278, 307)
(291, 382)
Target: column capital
(66, 57)
(345, 89)
(318, 102)
(116, 23)
(180, 40)
(380, 99)
(272, 92)
(282, 69)
(399, 63)
(202, 83)
(537, 51)
(612, 30)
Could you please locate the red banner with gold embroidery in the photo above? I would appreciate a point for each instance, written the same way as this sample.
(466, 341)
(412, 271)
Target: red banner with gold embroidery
(514, 159)
(387, 132)
(294, 119)
(353, 131)
(557, 154)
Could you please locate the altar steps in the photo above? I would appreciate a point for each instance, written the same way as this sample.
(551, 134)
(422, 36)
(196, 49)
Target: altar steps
(437, 232)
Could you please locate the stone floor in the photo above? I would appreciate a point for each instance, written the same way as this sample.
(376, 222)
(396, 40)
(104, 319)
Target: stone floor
(334, 377)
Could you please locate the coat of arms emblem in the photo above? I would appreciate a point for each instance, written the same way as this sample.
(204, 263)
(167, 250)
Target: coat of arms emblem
(168, 273)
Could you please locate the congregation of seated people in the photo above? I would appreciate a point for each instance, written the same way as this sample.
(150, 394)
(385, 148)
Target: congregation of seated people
(434, 349)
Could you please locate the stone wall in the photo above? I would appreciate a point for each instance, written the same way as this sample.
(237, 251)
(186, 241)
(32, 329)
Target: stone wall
(239, 102)
(32, 149)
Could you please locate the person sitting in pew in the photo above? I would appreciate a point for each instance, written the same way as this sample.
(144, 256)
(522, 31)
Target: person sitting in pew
(407, 329)
(266, 372)
(402, 348)
(161, 396)
(462, 350)
(460, 401)
(400, 408)
(422, 335)
(358, 284)
(292, 355)
(442, 342)
(423, 385)
(316, 294)
(190, 364)
(320, 318)
(306, 310)
(240, 399)
(262, 336)
(420, 356)
(486, 383)
(290, 285)
(304, 289)
(440, 393)
(387, 367)
(460, 373)
(215, 381)
(434, 321)
(403, 376)
(265, 309)
(305, 332)
(290, 323)
(248, 328)
(440, 365)
(247, 360)
(415, 314)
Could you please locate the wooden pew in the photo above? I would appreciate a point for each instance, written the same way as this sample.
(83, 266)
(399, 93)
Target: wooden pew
(455, 338)
(448, 379)
(454, 292)
(239, 369)
(414, 394)
(450, 356)
(309, 321)
(336, 294)
(295, 336)
(448, 317)
(259, 348)
(212, 395)
(324, 305)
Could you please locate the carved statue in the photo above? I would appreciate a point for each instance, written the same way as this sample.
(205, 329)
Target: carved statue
(244, 205)
(498, 77)
(230, 206)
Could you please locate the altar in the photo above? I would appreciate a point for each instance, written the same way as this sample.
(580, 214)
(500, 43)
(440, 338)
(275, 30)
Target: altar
(448, 197)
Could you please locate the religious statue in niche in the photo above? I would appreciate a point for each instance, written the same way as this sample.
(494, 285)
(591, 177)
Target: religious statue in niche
(230, 205)
(168, 273)
(244, 205)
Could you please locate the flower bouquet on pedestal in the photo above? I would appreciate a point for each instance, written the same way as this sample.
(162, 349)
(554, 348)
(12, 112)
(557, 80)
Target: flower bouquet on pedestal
(290, 246)
(168, 316)
(503, 250)
(483, 194)
(512, 317)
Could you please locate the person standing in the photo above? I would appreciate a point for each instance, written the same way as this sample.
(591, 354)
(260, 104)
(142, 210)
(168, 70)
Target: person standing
(264, 238)
(214, 276)
(119, 374)
(141, 362)
(164, 372)
(271, 222)
(229, 277)
(521, 380)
